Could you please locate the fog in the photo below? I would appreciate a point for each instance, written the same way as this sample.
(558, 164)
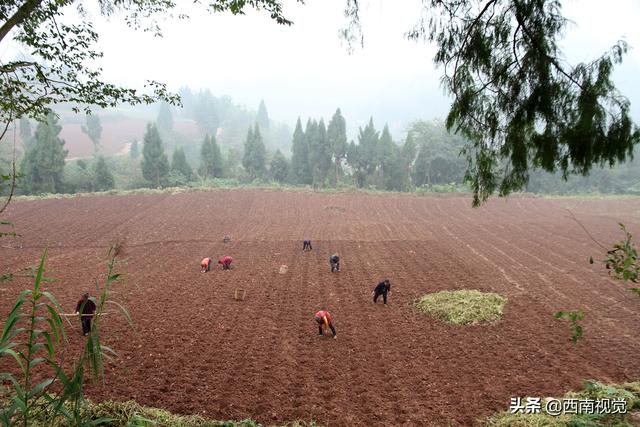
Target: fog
(305, 70)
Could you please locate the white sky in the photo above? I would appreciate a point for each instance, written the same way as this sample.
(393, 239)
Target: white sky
(305, 70)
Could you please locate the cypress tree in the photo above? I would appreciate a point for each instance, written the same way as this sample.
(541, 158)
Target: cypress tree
(155, 165)
(300, 169)
(102, 177)
(43, 164)
(337, 135)
(180, 165)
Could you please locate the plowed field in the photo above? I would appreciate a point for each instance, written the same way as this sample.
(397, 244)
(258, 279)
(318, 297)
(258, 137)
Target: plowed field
(196, 350)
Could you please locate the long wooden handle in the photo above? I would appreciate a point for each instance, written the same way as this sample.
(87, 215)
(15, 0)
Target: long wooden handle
(85, 315)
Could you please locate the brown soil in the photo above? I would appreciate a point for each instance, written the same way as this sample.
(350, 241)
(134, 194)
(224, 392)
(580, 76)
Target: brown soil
(196, 350)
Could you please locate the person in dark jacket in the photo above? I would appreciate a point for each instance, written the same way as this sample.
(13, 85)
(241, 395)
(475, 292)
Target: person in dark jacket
(306, 245)
(334, 262)
(383, 289)
(86, 308)
(323, 318)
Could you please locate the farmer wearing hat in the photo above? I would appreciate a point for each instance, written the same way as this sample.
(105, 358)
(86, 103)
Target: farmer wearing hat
(323, 318)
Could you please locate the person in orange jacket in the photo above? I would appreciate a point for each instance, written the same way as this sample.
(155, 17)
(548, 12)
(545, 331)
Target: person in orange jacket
(226, 262)
(206, 265)
(323, 318)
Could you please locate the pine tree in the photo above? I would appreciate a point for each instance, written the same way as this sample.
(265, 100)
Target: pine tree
(93, 129)
(408, 154)
(337, 135)
(134, 150)
(387, 155)
(165, 120)
(253, 159)
(155, 165)
(25, 132)
(43, 164)
(217, 164)
(279, 167)
(368, 149)
(319, 152)
(180, 165)
(263, 117)
(300, 169)
(206, 158)
(102, 177)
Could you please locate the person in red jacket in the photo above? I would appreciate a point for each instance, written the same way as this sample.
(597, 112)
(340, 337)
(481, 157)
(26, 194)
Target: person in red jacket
(206, 265)
(226, 262)
(324, 320)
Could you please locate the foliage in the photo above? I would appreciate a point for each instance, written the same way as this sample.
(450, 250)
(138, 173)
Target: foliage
(155, 165)
(622, 260)
(165, 120)
(35, 319)
(43, 164)
(279, 168)
(180, 165)
(93, 129)
(102, 177)
(594, 390)
(574, 317)
(134, 151)
(463, 307)
(337, 138)
(253, 160)
(319, 151)
(211, 162)
(300, 167)
(262, 117)
(131, 414)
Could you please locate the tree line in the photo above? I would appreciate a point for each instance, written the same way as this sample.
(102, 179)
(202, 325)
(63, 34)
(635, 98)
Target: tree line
(321, 156)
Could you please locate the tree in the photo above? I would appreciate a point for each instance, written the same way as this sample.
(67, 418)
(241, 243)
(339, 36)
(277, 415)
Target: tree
(93, 129)
(25, 132)
(300, 169)
(165, 120)
(319, 151)
(253, 159)
(206, 158)
(43, 164)
(180, 165)
(337, 135)
(102, 177)
(408, 155)
(155, 165)
(515, 98)
(134, 151)
(263, 117)
(62, 63)
(211, 164)
(279, 167)
(218, 162)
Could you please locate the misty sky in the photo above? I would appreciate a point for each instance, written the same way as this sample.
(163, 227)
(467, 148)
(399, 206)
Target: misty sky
(305, 69)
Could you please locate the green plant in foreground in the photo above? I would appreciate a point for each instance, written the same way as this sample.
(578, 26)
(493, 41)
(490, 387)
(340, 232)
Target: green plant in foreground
(463, 307)
(30, 337)
(622, 260)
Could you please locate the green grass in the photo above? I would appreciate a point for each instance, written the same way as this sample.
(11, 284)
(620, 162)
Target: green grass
(592, 390)
(464, 307)
(130, 413)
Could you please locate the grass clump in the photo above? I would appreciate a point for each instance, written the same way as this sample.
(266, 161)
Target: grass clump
(130, 414)
(630, 392)
(464, 307)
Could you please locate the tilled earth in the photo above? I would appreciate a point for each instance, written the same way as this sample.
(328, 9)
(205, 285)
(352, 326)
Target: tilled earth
(193, 349)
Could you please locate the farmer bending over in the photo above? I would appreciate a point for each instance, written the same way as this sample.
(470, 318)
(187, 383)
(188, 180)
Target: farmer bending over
(226, 262)
(324, 320)
(86, 308)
